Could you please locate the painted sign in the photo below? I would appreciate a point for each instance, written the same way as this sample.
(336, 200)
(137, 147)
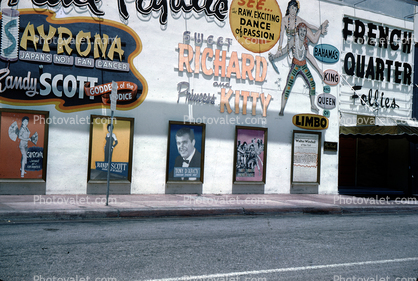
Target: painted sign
(382, 37)
(212, 61)
(326, 53)
(331, 77)
(183, 89)
(61, 62)
(256, 24)
(377, 100)
(310, 121)
(211, 8)
(326, 101)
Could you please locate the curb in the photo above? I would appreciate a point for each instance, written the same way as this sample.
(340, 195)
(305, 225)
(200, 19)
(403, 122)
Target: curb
(9, 216)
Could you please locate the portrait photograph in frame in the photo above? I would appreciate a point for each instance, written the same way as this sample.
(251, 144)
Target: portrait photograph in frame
(23, 144)
(120, 144)
(306, 157)
(185, 152)
(250, 155)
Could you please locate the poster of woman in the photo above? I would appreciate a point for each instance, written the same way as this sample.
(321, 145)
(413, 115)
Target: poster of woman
(115, 146)
(250, 155)
(23, 142)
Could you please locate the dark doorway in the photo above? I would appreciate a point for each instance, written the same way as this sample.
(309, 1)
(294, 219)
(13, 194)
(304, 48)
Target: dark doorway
(373, 162)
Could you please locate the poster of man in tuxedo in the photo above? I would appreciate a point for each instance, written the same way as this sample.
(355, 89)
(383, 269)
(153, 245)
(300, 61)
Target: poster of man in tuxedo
(185, 152)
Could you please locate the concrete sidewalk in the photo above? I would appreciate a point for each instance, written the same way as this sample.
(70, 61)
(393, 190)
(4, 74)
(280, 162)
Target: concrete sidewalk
(69, 207)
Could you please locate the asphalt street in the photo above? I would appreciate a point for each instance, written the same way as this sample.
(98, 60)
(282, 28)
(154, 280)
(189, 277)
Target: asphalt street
(233, 248)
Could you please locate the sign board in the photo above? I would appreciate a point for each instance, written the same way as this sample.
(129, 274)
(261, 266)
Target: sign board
(306, 157)
(327, 101)
(331, 77)
(326, 53)
(113, 96)
(310, 121)
(330, 146)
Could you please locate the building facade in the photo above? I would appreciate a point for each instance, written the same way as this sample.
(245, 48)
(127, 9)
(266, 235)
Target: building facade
(215, 97)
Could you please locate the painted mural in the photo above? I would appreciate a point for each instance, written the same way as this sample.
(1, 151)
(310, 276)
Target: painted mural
(276, 64)
(299, 35)
(89, 54)
(68, 62)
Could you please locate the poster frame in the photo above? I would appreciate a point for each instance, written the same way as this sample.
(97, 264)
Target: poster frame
(130, 151)
(45, 115)
(265, 131)
(170, 138)
(318, 176)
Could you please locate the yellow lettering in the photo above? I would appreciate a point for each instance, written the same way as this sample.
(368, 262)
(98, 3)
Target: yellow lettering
(46, 38)
(79, 38)
(64, 43)
(29, 35)
(100, 44)
(116, 47)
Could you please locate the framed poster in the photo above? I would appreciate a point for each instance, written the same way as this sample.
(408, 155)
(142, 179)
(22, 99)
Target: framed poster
(250, 155)
(306, 157)
(23, 144)
(120, 144)
(185, 152)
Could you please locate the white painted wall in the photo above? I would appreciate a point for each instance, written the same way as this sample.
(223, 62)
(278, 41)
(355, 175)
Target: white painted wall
(68, 146)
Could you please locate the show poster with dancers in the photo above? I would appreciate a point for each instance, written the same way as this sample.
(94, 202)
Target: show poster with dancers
(250, 155)
(112, 144)
(23, 139)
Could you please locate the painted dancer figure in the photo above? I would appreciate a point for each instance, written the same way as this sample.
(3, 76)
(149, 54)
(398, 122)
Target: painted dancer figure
(300, 52)
(110, 141)
(24, 136)
(291, 20)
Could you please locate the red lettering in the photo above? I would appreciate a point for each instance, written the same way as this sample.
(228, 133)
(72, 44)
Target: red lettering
(260, 4)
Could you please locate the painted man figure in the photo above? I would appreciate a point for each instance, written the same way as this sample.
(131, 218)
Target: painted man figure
(300, 51)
